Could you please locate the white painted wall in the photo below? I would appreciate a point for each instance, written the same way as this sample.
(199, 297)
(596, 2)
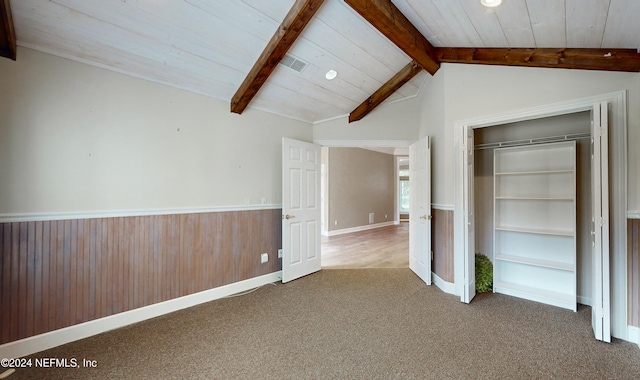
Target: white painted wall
(473, 91)
(393, 121)
(76, 138)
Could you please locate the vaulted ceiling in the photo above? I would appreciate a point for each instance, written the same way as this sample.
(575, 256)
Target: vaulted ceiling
(210, 46)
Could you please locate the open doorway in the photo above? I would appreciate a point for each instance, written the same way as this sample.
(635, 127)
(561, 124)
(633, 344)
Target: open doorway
(361, 208)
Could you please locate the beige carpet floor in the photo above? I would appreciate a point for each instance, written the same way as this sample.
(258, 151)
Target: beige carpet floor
(353, 324)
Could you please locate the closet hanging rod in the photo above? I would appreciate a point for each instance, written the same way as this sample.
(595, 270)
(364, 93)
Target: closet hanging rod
(536, 140)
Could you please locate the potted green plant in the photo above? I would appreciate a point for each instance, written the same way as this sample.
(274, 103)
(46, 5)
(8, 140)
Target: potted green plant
(484, 273)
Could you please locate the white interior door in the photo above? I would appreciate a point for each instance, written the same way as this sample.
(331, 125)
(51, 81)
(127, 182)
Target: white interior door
(420, 209)
(601, 303)
(301, 212)
(469, 287)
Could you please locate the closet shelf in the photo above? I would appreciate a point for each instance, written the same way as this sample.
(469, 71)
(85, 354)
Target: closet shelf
(513, 198)
(567, 171)
(536, 262)
(535, 197)
(538, 231)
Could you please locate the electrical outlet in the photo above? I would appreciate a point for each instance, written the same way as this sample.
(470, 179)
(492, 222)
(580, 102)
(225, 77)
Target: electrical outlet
(264, 258)
(280, 253)
(263, 201)
(335, 223)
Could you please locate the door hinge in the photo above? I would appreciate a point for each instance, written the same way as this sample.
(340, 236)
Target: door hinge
(599, 222)
(431, 255)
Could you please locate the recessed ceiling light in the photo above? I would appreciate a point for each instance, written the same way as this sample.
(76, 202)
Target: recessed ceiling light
(490, 3)
(331, 74)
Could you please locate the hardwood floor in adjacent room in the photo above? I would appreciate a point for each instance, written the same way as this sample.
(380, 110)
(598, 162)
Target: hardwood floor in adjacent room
(385, 247)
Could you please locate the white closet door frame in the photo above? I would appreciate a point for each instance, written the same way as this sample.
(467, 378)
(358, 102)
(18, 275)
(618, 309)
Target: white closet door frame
(469, 287)
(615, 226)
(601, 301)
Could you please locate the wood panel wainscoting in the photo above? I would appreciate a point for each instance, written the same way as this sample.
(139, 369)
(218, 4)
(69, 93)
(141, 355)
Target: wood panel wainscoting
(442, 244)
(56, 274)
(633, 267)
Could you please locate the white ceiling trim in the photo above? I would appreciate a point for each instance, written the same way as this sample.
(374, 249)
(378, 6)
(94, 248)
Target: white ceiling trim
(259, 108)
(386, 102)
(110, 68)
(346, 115)
(364, 143)
(150, 79)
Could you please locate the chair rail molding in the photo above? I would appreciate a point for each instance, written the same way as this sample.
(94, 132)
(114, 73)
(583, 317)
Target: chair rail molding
(46, 216)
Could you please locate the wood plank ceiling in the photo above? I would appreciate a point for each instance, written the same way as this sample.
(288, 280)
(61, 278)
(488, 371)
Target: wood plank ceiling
(210, 46)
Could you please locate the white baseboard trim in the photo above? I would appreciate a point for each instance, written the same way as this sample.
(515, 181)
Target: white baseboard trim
(633, 214)
(359, 228)
(447, 287)
(69, 334)
(633, 334)
(582, 300)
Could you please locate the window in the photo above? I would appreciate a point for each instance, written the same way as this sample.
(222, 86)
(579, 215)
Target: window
(404, 190)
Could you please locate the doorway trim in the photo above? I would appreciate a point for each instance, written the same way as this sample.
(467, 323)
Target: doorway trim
(617, 195)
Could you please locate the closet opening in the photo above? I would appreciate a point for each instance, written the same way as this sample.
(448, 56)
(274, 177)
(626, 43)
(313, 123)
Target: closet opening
(608, 127)
(533, 218)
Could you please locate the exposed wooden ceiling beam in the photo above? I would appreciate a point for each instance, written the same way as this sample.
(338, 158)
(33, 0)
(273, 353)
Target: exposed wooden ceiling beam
(388, 19)
(402, 77)
(7, 33)
(586, 59)
(567, 58)
(294, 23)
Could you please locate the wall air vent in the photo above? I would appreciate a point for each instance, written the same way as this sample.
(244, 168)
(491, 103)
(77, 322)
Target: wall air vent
(294, 63)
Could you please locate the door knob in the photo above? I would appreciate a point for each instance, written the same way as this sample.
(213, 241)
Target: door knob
(288, 216)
